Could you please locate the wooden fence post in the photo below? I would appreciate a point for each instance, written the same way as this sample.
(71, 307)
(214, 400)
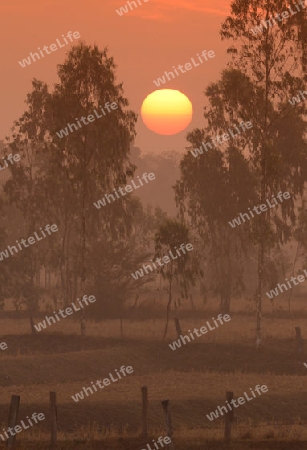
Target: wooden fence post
(53, 420)
(168, 422)
(13, 415)
(228, 418)
(144, 411)
(82, 323)
(299, 341)
(121, 328)
(178, 327)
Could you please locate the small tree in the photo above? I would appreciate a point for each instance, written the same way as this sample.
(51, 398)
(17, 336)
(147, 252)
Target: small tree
(170, 235)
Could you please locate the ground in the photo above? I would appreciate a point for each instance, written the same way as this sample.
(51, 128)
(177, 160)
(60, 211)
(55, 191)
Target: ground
(194, 378)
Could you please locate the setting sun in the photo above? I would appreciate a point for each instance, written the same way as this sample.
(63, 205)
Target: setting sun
(166, 111)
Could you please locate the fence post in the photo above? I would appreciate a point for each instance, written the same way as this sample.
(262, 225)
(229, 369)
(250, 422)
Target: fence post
(121, 328)
(228, 418)
(299, 341)
(168, 422)
(144, 411)
(82, 323)
(13, 415)
(178, 327)
(53, 420)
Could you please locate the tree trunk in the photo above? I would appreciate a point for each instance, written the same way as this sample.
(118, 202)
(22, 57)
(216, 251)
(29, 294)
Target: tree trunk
(192, 302)
(33, 330)
(121, 327)
(83, 233)
(225, 304)
(168, 308)
(293, 268)
(225, 296)
(259, 294)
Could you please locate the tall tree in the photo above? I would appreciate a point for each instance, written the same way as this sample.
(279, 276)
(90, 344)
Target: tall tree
(264, 70)
(25, 191)
(209, 193)
(73, 172)
(274, 60)
(96, 156)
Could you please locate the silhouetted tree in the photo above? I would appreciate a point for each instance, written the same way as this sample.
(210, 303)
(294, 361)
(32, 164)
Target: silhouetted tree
(274, 63)
(172, 234)
(213, 189)
(59, 179)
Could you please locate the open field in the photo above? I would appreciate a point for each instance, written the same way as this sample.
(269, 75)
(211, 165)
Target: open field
(194, 378)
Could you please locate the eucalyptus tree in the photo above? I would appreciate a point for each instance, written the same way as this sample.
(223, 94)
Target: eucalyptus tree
(6, 285)
(96, 156)
(265, 69)
(24, 190)
(273, 59)
(72, 172)
(170, 235)
(213, 189)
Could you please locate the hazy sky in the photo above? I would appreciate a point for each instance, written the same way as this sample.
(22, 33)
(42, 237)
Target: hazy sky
(144, 42)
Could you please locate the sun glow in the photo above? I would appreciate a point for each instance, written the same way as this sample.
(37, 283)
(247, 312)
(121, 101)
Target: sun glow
(166, 111)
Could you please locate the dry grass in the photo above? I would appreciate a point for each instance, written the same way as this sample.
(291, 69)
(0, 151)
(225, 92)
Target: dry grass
(241, 326)
(194, 378)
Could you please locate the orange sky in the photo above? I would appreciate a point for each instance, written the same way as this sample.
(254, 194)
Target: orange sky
(144, 43)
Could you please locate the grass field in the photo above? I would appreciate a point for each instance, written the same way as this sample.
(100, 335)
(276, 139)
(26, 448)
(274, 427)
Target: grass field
(194, 378)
